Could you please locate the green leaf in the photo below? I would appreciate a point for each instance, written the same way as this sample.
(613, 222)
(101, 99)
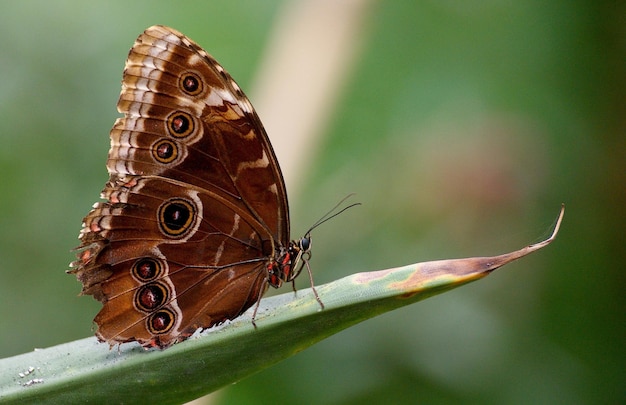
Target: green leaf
(87, 371)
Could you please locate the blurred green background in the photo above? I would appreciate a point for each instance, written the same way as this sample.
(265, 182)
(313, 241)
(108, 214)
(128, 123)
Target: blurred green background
(462, 126)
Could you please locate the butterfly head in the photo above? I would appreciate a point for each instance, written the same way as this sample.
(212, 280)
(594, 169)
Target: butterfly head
(293, 258)
(300, 252)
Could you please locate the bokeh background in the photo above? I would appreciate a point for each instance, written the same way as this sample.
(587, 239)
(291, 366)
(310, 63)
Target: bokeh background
(460, 125)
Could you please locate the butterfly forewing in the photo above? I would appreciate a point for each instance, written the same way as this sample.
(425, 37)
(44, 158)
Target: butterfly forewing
(196, 209)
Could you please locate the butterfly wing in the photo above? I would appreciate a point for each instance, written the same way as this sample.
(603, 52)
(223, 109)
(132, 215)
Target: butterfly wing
(195, 205)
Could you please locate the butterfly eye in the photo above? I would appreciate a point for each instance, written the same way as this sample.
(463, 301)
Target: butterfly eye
(305, 244)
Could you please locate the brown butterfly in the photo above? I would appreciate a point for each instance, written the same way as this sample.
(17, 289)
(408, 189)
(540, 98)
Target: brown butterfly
(195, 226)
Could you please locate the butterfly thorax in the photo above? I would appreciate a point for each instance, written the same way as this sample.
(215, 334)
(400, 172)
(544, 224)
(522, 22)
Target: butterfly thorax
(289, 262)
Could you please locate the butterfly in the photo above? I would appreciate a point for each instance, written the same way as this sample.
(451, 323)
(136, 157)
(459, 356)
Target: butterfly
(194, 226)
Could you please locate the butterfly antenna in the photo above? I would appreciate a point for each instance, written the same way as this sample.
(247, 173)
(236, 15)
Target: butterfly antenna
(304, 252)
(331, 214)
